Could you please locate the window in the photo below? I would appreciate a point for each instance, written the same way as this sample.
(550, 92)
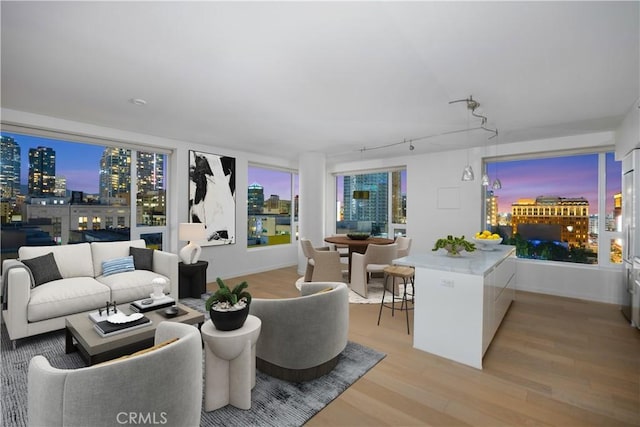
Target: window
(272, 212)
(366, 204)
(50, 196)
(563, 208)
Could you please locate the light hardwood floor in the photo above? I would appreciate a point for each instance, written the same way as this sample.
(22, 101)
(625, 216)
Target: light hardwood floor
(554, 361)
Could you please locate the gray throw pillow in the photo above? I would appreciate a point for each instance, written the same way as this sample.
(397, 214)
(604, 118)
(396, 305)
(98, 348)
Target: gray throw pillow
(43, 268)
(142, 258)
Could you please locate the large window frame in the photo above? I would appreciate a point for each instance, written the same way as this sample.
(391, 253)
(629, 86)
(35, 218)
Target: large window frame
(268, 214)
(361, 185)
(609, 233)
(155, 235)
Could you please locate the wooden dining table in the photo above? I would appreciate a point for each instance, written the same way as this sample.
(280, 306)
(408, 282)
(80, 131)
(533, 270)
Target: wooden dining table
(357, 245)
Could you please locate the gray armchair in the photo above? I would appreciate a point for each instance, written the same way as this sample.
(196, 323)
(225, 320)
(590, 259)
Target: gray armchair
(302, 337)
(162, 386)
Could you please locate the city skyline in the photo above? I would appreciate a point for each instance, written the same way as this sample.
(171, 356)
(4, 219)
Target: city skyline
(80, 175)
(568, 176)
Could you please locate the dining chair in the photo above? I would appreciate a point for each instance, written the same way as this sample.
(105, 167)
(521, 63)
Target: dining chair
(323, 264)
(404, 246)
(343, 250)
(374, 260)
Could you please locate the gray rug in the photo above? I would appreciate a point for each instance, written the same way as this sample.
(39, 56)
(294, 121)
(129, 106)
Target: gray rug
(274, 402)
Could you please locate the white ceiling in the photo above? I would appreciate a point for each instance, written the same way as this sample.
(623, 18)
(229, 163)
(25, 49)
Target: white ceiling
(281, 78)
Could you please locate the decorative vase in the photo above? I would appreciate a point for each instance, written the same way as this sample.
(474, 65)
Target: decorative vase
(454, 251)
(229, 320)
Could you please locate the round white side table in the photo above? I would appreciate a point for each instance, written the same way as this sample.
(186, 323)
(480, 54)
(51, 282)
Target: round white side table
(230, 364)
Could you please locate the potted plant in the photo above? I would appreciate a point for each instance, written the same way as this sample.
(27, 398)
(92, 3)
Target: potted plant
(454, 245)
(228, 308)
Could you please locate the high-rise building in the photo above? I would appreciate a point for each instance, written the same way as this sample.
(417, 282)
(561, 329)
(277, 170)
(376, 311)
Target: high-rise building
(42, 171)
(60, 189)
(370, 200)
(255, 199)
(492, 209)
(398, 201)
(115, 175)
(570, 215)
(150, 172)
(9, 168)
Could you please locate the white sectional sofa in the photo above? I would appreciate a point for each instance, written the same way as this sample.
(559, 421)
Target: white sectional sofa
(32, 310)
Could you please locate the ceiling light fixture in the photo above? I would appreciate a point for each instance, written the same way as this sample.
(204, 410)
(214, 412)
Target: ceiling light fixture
(485, 176)
(467, 172)
(497, 184)
(472, 105)
(138, 101)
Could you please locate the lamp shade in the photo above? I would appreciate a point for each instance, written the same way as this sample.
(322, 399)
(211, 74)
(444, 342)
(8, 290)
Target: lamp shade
(190, 231)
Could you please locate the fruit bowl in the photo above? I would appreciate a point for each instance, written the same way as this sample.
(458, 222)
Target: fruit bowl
(487, 244)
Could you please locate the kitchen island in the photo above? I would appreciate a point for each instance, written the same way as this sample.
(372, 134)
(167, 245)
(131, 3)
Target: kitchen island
(461, 301)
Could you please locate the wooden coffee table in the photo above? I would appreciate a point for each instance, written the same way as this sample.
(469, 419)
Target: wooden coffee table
(82, 337)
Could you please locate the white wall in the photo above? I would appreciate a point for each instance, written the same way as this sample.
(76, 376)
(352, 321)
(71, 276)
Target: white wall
(224, 261)
(628, 134)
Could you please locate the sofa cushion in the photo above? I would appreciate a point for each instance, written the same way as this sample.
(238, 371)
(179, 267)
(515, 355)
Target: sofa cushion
(142, 258)
(104, 251)
(72, 260)
(117, 265)
(133, 285)
(66, 296)
(43, 268)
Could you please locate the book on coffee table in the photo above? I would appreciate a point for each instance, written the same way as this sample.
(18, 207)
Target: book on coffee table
(106, 328)
(150, 304)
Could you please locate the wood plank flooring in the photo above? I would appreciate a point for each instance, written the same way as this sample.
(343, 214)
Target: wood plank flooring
(554, 362)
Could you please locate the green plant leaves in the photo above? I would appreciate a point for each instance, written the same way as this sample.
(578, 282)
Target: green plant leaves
(224, 293)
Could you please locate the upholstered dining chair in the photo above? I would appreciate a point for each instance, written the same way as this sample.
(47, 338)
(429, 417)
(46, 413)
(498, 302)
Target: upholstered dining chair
(374, 260)
(323, 264)
(164, 383)
(343, 250)
(404, 246)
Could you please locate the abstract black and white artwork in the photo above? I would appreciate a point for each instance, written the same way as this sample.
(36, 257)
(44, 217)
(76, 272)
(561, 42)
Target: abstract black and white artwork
(212, 196)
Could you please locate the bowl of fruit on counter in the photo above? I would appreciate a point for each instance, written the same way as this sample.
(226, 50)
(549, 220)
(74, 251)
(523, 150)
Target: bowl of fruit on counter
(486, 240)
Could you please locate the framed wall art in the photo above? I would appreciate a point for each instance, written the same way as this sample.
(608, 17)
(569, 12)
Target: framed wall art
(212, 196)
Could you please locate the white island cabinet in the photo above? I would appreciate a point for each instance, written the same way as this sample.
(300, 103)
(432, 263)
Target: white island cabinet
(461, 301)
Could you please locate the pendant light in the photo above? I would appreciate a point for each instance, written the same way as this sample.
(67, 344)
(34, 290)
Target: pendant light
(485, 177)
(467, 172)
(497, 185)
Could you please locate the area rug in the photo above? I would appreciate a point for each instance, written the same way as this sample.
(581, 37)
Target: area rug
(374, 292)
(273, 402)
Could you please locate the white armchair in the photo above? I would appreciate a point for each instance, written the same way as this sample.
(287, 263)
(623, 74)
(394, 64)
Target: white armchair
(162, 386)
(374, 260)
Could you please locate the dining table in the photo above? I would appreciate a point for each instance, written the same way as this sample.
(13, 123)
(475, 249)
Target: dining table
(356, 245)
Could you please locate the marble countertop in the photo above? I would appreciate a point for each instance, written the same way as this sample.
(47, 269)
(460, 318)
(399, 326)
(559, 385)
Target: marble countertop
(477, 263)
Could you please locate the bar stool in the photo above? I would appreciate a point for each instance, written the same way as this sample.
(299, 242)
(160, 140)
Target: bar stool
(407, 275)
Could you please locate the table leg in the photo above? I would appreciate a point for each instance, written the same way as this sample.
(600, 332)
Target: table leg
(68, 342)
